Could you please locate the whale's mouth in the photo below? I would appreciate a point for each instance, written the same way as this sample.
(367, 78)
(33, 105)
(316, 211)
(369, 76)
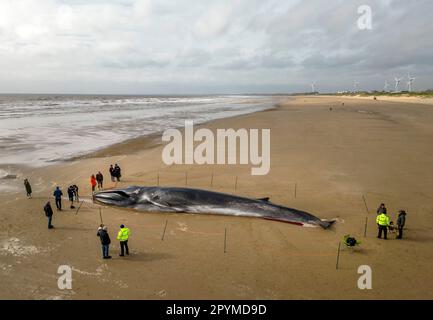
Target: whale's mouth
(112, 197)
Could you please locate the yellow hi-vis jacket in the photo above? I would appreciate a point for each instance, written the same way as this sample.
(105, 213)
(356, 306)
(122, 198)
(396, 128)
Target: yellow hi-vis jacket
(123, 234)
(382, 220)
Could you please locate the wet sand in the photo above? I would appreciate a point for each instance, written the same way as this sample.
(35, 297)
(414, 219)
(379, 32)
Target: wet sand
(378, 149)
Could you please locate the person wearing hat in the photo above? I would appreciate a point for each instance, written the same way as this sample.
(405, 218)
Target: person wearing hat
(105, 241)
(381, 209)
(123, 237)
(401, 220)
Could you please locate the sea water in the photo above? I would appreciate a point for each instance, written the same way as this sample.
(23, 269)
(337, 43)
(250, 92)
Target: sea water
(37, 130)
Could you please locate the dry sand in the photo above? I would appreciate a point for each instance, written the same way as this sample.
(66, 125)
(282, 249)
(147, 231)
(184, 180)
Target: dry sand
(382, 150)
(397, 98)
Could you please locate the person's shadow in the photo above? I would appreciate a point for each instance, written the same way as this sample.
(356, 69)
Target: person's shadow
(148, 256)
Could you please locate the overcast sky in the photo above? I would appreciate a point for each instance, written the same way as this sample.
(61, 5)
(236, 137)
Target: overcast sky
(199, 46)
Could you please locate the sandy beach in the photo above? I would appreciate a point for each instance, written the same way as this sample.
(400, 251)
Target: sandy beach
(377, 149)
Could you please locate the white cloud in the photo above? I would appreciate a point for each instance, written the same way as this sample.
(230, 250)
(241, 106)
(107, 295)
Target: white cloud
(145, 46)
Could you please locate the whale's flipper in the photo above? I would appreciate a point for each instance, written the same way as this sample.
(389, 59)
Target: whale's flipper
(157, 201)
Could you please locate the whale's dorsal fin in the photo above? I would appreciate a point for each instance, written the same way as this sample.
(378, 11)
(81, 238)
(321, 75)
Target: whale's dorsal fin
(264, 199)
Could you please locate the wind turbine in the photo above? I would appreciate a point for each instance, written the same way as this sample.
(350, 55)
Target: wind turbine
(397, 83)
(386, 86)
(313, 87)
(409, 83)
(355, 86)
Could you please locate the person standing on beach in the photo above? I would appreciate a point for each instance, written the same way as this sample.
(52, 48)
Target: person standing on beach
(123, 237)
(117, 172)
(58, 196)
(49, 214)
(382, 221)
(401, 221)
(28, 188)
(381, 209)
(105, 241)
(111, 172)
(77, 197)
(93, 182)
(100, 180)
(71, 194)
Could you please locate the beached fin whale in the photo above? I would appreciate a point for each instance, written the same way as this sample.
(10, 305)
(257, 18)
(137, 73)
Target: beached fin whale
(187, 200)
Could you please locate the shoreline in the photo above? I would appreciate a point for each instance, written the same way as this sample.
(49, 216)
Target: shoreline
(148, 141)
(153, 140)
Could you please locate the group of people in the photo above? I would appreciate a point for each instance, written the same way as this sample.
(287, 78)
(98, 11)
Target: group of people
(72, 195)
(115, 172)
(384, 223)
(122, 236)
(72, 191)
(97, 180)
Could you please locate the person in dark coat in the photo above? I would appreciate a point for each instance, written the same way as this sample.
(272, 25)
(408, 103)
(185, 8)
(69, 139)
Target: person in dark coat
(49, 214)
(58, 196)
(401, 221)
(117, 172)
(105, 241)
(381, 209)
(100, 180)
(77, 197)
(111, 170)
(28, 188)
(71, 195)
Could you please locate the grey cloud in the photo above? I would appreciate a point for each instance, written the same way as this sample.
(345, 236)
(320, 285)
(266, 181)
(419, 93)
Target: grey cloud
(203, 45)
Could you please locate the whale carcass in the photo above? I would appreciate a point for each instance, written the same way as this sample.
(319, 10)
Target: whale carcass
(187, 200)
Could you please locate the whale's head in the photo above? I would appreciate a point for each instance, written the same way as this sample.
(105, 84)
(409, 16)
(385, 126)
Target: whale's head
(140, 198)
(127, 197)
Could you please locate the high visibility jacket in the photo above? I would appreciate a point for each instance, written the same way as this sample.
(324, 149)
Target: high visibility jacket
(382, 220)
(123, 234)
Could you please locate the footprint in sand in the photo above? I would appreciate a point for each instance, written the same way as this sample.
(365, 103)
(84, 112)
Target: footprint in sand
(242, 290)
(182, 226)
(6, 268)
(14, 247)
(161, 293)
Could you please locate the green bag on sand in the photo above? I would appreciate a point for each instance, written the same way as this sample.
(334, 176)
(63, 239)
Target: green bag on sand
(350, 241)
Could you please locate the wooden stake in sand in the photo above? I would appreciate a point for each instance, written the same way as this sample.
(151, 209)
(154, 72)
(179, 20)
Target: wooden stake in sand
(157, 179)
(338, 255)
(236, 183)
(365, 228)
(78, 209)
(165, 227)
(365, 203)
(100, 215)
(211, 180)
(225, 240)
(296, 187)
(186, 179)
